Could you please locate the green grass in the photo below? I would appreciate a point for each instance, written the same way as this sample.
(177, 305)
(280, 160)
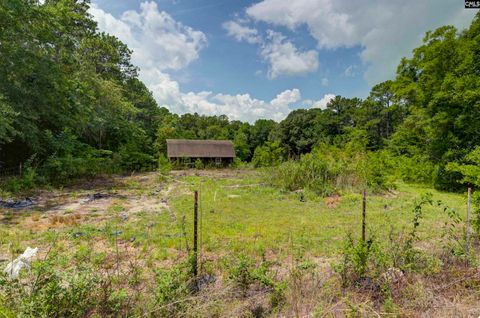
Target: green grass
(244, 226)
(239, 214)
(260, 219)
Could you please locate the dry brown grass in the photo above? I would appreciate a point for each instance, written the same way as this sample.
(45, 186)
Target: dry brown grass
(65, 220)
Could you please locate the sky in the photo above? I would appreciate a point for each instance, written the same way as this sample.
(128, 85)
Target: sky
(262, 59)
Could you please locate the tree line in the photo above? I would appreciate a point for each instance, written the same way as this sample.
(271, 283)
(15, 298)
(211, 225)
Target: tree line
(71, 100)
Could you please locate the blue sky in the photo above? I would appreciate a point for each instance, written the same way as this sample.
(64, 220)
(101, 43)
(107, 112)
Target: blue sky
(261, 59)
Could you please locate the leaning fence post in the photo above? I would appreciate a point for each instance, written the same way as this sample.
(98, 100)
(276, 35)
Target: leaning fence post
(364, 213)
(469, 196)
(195, 235)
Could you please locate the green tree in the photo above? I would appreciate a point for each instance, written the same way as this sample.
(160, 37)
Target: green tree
(7, 116)
(297, 133)
(270, 154)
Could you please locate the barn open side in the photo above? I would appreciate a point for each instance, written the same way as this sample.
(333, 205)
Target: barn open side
(210, 152)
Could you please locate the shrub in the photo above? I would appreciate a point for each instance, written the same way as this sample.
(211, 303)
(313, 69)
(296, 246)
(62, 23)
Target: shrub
(241, 272)
(360, 260)
(418, 169)
(470, 172)
(328, 169)
(199, 164)
(270, 154)
(62, 169)
(244, 271)
(53, 294)
(164, 165)
(171, 285)
(135, 160)
(368, 260)
(237, 163)
(456, 245)
(28, 180)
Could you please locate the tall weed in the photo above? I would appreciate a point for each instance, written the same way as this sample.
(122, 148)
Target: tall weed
(328, 169)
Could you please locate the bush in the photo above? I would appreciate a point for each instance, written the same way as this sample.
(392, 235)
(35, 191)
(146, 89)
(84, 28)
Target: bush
(73, 159)
(28, 180)
(135, 160)
(244, 271)
(237, 163)
(53, 294)
(172, 285)
(63, 169)
(418, 169)
(270, 154)
(199, 164)
(446, 180)
(328, 169)
(164, 165)
(369, 260)
(360, 261)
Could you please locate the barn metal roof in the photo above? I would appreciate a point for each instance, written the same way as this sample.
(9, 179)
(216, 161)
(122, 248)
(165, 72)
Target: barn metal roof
(178, 148)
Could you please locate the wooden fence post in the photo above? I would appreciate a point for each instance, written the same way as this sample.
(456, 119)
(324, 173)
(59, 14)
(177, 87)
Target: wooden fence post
(468, 216)
(20, 170)
(364, 213)
(195, 235)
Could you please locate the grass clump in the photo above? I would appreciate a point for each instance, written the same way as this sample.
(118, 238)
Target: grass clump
(50, 292)
(329, 169)
(172, 287)
(368, 259)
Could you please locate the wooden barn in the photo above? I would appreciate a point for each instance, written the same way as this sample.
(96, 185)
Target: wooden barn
(218, 152)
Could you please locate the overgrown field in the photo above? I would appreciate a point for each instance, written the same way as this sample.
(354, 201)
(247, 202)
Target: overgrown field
(122, 246)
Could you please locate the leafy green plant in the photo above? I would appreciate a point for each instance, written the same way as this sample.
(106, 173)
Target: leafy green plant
(270, 154)
(52, 293)
(328, 169)
(241, 272)
(244, 271)
(360, 260)
(164, 165)
(456, 245)
(199, 164)
(172, 285)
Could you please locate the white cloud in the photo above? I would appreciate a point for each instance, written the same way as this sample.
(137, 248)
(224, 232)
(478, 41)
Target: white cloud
(285, 59)
(286, 98)
(161, 44)
(385, 30)
(325, 81)
(241, 32)
(157, 40)
(322, 103)
(241, 106)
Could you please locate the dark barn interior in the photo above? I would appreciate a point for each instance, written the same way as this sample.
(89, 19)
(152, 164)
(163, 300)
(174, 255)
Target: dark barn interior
(210, 152)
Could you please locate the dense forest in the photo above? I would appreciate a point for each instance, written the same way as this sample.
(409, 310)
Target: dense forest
(72, 105)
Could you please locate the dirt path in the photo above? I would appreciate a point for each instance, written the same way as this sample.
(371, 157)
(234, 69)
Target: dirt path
(95, 201)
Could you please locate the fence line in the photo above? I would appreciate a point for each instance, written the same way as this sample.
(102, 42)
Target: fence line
(10, 171)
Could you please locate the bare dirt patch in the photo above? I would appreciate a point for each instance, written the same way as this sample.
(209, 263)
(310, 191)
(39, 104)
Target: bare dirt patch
(214, 173)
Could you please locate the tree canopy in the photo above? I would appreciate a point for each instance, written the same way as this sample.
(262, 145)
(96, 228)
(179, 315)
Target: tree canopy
(70, 91)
